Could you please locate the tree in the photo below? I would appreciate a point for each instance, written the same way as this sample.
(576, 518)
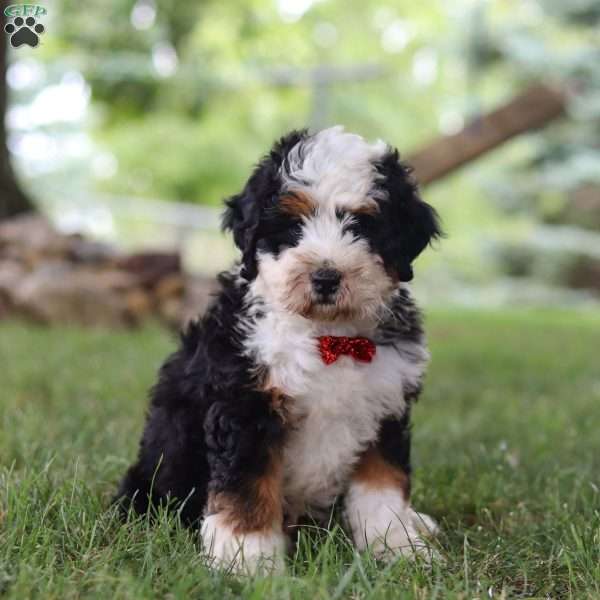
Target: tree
(13, 200)
(536, 107)
(554, 185)
(558, 42)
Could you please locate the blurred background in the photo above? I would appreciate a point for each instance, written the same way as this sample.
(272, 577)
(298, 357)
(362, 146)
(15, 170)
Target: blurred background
(130, 121)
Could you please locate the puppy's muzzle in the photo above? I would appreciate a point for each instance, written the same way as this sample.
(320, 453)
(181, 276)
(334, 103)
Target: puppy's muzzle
(326, 282)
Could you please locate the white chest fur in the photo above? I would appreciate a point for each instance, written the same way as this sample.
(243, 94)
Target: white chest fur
(337, 407)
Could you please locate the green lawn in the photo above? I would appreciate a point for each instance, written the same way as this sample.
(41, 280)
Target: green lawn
(507, 456)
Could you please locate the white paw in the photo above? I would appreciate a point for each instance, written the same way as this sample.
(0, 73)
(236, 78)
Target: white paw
(405, 534)
(425, 524)
(249, 553)
(383, 522)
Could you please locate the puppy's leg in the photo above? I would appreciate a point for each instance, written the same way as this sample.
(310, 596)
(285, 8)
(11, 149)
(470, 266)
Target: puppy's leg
(243, 527)
(377, 503)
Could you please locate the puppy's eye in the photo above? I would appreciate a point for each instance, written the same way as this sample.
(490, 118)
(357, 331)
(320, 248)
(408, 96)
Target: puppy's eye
(290, 238)
(288, 241)
(362, 226)
(366, 221)
(281, 238)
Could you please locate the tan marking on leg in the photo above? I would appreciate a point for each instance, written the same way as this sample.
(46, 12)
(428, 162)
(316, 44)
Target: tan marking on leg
(280, 401)
(257, 508)
(374, 471)
(281, 404)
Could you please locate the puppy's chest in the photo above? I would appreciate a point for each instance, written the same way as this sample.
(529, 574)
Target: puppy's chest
(334, 410)
(329, 427)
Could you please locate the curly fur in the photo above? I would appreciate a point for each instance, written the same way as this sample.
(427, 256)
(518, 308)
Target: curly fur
(248, 430)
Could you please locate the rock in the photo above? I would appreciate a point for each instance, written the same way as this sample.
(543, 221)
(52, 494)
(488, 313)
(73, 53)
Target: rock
(11, 273)
(55, 293)
(170, 311)
(110, 279)
(169, 286)
(55, 278)
(82, 250)
(139, 305)
(150, 267)
(31, 235)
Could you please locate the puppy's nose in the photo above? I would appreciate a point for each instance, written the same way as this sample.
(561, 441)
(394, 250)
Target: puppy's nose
(326, 280)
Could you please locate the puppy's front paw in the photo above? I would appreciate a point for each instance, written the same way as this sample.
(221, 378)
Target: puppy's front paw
(403, 534)
(248, 553)
(383, 522)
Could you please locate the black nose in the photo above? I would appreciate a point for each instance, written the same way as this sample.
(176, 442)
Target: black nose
(326, 281)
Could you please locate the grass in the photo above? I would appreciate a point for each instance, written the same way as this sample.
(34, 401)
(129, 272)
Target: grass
(507, 454)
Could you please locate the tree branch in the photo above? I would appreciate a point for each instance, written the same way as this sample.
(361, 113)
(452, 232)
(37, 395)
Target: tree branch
(534, 108)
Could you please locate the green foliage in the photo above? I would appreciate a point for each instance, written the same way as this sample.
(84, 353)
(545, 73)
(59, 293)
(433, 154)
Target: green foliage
(114, 55)
(181, 159)
(239, 74)
(506, 450)
(556, 41)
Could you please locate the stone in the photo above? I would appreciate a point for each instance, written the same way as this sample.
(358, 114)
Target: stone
(139, 305)
(169, 286)
(150, 267)
(33, 235)
(56, 293)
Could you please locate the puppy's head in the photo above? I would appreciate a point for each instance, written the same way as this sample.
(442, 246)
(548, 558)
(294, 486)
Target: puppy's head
(329, 224)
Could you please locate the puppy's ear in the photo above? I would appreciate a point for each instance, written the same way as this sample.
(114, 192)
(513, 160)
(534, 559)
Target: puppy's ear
(418, 224)
(244, 210)
(241, 217)
(412, 224)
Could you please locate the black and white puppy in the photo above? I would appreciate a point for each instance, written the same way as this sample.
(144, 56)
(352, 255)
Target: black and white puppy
(295, 388)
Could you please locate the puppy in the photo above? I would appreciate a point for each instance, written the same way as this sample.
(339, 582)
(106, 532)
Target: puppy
(295, 388)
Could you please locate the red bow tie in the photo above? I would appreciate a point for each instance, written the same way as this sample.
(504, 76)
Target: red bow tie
(333, 346)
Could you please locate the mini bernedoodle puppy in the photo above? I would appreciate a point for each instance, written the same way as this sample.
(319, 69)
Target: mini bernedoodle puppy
(295, 388)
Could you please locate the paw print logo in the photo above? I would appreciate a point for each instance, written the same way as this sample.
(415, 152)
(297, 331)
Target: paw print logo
(24, 32)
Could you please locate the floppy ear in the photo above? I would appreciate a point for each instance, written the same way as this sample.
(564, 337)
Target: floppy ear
(412, 224)
(243, 211)
(241, 217)
(420, 226)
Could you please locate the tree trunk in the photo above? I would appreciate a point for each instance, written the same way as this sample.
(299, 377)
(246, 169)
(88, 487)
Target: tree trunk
(13, 200)
(532, 109)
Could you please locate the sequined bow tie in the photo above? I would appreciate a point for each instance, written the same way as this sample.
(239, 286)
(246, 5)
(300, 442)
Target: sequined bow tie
(333, 346)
